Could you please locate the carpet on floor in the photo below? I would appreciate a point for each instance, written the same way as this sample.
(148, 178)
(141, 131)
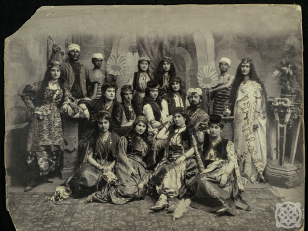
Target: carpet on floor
(30, 212)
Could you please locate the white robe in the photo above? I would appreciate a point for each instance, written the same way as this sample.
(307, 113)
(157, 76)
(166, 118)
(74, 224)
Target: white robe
(249, 144)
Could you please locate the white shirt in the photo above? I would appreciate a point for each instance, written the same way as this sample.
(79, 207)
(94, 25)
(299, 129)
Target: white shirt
(148, 111)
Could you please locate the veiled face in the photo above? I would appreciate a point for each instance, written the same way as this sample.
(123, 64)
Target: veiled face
(110, 93)
(144, 65)
(178, 120)
(140, 128)
(55, 73)
(103, 125)
(245, 68)
(166, 66)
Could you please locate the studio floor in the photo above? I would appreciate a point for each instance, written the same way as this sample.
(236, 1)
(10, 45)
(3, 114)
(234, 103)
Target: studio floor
(30, 212)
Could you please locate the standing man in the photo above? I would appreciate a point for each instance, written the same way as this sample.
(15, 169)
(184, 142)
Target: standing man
(96, 77)
(75, 74)
(198, 117)
(76, 80)
(221, 93)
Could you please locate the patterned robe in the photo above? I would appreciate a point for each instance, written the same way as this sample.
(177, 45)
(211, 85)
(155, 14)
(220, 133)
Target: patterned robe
(88, 179)
(132, 151)
(45, 140)
(250, 145)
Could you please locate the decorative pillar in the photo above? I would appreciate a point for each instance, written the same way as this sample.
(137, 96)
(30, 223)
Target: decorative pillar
(282, 171)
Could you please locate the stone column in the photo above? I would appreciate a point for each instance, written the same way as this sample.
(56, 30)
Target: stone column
(282, 172)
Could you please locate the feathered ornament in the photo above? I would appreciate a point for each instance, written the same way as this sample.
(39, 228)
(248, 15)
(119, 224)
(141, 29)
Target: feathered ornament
(182, 207)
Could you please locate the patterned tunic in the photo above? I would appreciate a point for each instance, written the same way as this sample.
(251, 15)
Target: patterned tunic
(250, 145)
(46, 126)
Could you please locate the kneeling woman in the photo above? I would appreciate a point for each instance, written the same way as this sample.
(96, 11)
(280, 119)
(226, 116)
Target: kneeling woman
(221, 169)
(179, 166)
(130, 168)
(99, 161)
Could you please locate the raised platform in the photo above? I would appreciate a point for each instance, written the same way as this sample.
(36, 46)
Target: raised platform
(286, 176)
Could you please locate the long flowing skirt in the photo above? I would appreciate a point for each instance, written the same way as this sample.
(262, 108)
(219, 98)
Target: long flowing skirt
(129, 186)
(208, 196)
(171, 179)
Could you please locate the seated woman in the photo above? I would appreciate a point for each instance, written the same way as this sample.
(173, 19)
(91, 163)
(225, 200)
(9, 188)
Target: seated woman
(45, 100)
(179, 166)
(125, 114)
(155, 109)
(221, 169)
(99, 160)
(176, 96)
(130, 168)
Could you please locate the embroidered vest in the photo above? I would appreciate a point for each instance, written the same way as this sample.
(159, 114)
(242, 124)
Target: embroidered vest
(155, 107)
(220, 149)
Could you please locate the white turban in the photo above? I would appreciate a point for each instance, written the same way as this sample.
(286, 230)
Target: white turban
(223, 59)
(194, 90)
(98, 56)
(73, 46)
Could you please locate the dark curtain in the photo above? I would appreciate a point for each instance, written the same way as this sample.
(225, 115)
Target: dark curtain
(155, 46)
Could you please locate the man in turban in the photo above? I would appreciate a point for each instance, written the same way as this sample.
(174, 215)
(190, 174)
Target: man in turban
(75, 74)
(221, 93)
(198, 117)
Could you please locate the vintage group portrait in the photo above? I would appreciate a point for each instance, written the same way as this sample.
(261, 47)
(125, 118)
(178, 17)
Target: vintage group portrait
(185, 117)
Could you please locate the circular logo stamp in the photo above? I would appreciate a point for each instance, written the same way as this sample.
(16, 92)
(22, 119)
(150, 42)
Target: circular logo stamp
(288, 215)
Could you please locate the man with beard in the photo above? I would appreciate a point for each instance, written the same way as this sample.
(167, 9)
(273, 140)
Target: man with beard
(75, 74)
(198, 117)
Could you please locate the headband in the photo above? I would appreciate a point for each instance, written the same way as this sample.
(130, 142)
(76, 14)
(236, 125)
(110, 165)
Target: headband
(145, 58)
(167, 59)
(102, 115)
(142, 119)
(55, 64)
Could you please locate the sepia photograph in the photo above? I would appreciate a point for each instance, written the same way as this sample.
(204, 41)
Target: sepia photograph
(182, 117)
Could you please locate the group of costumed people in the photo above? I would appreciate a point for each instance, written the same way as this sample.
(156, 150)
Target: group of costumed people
(158, 139)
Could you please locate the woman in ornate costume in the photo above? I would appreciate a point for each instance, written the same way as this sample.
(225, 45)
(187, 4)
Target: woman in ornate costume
(46, 100)
(130, 168)
(125, 114)
(99, 161)
(155, 109)
(175, 95)
(221, 169)
(165, 71)
(179, 166)
(139, 83)
(249, 101)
